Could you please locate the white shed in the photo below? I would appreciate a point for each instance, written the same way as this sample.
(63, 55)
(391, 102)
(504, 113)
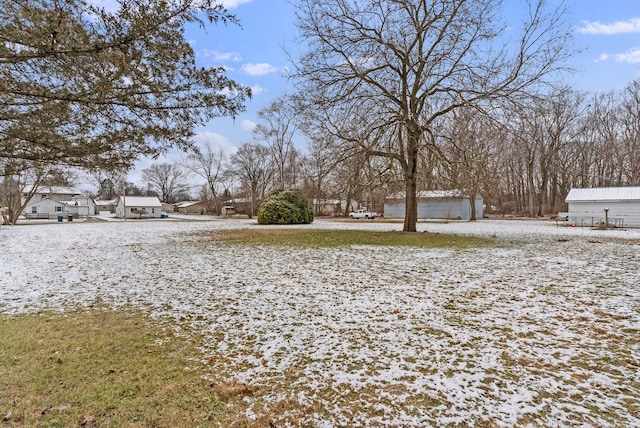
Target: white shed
(81, 205)
(106, 205)
(139, 207)
(593, 206)
(436, 204)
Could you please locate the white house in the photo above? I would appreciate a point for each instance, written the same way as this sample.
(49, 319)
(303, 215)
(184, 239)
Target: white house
(620, 206)
(44, 208)
(138, 207)
(58, 193)
(50, 208)
(436, 204)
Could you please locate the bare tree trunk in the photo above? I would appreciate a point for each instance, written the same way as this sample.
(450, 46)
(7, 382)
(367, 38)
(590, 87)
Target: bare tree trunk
(253, 201)
(411, 189)
(543, 196)
(472, 202)
(411, 201)
(531, 193)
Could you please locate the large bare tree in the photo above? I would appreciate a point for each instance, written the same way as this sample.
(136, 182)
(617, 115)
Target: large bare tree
(251, 164)
(394, 67)
(472, 141)
(276, 128)
(168, 180)
(630, 121)
(209, 164)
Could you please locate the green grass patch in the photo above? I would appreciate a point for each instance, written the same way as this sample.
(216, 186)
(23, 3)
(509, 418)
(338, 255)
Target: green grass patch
(105, 368)
(340, 238)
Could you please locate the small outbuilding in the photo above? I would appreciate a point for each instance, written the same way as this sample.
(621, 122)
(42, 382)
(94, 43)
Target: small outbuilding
(227, 210)
(436, 204)
(617, 206)
(192, 207)
(106, 205)
(168, 208)
(82, 206)
(138, 207)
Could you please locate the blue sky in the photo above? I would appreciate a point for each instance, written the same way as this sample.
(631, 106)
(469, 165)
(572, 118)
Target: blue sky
(254, 56)
(608, 31)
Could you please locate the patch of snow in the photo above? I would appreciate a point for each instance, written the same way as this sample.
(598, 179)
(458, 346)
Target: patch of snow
(534, 331)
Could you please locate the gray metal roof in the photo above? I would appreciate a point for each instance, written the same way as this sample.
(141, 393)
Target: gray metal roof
(604, 194)
(142, 201)
(432, 194)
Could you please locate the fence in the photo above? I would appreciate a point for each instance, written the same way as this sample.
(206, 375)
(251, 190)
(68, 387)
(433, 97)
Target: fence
(564, 219)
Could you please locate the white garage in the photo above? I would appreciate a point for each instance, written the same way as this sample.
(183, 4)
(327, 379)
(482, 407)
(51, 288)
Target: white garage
(619, 206)
(436, 204)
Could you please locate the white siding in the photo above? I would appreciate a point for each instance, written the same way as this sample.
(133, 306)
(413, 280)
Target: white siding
(45, 206)
(587, 206)
(151, 205)
(437, 207)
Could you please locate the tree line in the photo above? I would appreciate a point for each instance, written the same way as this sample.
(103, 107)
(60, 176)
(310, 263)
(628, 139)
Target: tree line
(523, 162)
(391, 97)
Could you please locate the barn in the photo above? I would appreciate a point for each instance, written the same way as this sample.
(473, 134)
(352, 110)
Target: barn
(619, 206)
(436, 204)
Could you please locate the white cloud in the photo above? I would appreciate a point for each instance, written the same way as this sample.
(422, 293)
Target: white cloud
(602, 57)
(632, 56)
(257, 89)
(218, 56)
(619, 27)
(248, 125)
(229, 4)
(258, 69)
(215, 141)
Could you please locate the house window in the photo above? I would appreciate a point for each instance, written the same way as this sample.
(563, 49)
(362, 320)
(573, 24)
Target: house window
(58, 209)
(153, 210)
(34, 210)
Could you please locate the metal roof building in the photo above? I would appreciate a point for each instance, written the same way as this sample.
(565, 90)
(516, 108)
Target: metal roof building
(436, 204)
(619, 206)
(138, 207)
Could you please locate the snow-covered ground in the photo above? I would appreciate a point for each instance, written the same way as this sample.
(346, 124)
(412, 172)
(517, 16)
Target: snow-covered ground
(541, 329)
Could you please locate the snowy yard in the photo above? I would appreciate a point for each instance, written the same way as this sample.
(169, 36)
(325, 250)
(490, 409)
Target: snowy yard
(542, 329)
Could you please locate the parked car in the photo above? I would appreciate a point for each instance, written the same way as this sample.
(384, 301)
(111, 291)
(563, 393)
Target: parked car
(362, 214)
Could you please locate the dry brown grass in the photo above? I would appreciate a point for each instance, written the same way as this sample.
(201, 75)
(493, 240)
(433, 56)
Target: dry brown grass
(335, 238)
(106, 368)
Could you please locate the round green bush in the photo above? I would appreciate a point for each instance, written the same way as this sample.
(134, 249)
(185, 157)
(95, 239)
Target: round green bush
(285, 207)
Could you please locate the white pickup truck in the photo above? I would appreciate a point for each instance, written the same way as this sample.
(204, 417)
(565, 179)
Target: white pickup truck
(362, 214)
